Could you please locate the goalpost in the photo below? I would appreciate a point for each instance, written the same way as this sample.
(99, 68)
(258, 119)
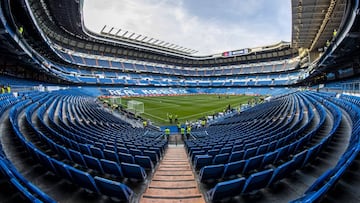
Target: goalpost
(115, 101)
(136, 107)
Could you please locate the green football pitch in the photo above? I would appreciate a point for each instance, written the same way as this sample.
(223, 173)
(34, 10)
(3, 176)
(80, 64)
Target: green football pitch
(189, 107)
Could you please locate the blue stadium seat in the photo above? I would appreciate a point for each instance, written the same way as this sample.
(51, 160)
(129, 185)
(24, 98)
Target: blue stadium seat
(312, 153)
(283, 153)
(61, 169)
(111, 155)
(221, 158)
(258, 181)
(127, 158)
(25, 193)
(122, 150)
(114, 189)
(97, 152)
(250, 152)
(45, 160)
(63, 152)
(226, 189)
(85, 149)
(211, 172)
(238, 147)
(111, 167)
(153, 156)
(83, 179)
(77, 157)
(262, 149)
(269, 158)
(133, 171)
(135, 152)
(35, 190)
(202, 160)
(93, 163)
(225, 150)
(234, 168)
(236, 156)
(253, 163)
(292, 148)
(299, 159)
(193, 154)
(272, 146)
(213, 152)
(144, 161)
(282, 171)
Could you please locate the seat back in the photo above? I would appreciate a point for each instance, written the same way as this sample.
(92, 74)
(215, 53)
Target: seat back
(114, 189)
(226, 189)
(111, 167)
(83, 179)
(133, 171)
(221, 158)
(211, 172)
(144, 161)
(258, 180)
(93, 163)
(234, 168)
(236, 156)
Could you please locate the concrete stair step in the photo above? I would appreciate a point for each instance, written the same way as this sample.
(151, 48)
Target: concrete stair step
(172, 193)
(157, 200)
(173, 184)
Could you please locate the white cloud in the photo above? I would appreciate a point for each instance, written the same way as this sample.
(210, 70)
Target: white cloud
(172, 22)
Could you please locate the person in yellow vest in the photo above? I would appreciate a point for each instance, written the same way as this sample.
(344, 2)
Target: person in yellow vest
(2, 90)
(178, 126)
(170, 118)
(334, 33)
(176, 118)
(203, 123)
(144, 123)
(167, 133)
(21, 30)
(8, 89)
(182, 132)
(188, 131)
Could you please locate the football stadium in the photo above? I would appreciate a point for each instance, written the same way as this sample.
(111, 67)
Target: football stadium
(118, 115)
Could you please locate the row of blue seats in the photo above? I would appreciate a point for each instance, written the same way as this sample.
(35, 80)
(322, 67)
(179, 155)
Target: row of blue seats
(256, 163)
(100, 148)
(329, 179)
(98, 130)
(97, 184)
(243, 131)
(111, 164)
(9, 173)
(78, 128)
(256, 68)
(237, 152)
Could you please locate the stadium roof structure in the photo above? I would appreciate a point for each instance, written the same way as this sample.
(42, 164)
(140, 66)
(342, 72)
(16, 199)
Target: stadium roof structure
(63, 22)
(50, 24)
(313, 22)
(133, 37)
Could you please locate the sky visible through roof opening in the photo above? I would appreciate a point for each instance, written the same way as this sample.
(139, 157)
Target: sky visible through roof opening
(208, 26)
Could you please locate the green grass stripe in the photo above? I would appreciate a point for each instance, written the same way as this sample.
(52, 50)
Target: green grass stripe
(189, 107)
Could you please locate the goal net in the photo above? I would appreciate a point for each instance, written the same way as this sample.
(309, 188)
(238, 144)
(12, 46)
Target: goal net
(115, 100)
(136, 107)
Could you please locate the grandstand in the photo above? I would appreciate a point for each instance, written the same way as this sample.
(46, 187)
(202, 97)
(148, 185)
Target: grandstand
(58, 143)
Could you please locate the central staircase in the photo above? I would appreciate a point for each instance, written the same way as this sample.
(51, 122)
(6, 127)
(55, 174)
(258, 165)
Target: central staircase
(174, 180)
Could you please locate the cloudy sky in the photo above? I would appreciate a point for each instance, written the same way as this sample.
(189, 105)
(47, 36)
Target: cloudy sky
(208, 26)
